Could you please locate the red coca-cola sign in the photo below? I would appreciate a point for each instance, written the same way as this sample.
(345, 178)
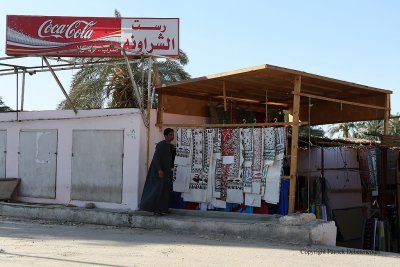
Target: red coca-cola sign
(67, 31)
(90, 36)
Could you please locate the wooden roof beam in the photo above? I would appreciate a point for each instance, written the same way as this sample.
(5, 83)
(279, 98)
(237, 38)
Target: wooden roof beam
(341, 101)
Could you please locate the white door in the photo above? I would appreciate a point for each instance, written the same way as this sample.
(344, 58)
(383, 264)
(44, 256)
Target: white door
(97, 157)
(37, 164)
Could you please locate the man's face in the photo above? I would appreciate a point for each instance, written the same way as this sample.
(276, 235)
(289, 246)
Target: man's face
(170, 137)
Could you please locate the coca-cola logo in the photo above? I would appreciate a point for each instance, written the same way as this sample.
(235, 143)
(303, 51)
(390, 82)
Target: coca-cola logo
(77, 29)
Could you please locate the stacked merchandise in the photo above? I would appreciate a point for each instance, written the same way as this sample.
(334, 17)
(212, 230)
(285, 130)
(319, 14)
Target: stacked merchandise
(235, 166)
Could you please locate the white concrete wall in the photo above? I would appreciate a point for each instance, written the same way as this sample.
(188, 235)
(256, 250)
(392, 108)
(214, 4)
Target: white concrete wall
(128, 120)
(344, 186)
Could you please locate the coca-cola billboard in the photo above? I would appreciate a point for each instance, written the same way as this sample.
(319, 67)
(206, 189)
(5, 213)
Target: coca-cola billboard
(91, 37)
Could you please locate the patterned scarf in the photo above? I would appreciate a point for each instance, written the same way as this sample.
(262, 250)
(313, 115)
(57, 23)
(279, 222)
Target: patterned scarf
(257, 166)
(217, 167)
(198, 182)
(181, 171)
(269, 145)
(280, 142)
(233, 180)
(246, 159)
(273, 183)
(183, 143)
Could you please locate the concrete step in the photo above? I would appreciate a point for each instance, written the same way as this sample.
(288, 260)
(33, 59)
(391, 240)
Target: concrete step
(252, 226)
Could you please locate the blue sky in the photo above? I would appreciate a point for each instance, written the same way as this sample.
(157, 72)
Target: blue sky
(356, 41)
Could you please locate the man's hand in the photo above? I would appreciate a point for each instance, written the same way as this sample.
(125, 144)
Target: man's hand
(160, 173)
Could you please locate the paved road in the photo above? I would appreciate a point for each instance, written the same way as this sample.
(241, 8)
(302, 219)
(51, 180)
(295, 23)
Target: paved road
(39, 243)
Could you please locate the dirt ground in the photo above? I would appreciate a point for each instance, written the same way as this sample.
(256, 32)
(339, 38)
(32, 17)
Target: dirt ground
(40, 243)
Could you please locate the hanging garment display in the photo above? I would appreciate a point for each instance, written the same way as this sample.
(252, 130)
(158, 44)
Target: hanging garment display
(181, 178)
(280, 142)
(234, 182)
(373, 170)
(183, 145)
(198, 182)
(227, 154)
(269, 145)
(269, 142)
(220, 166)
(257, 161)
(181, 174)
(216, 164)
(207, 161)
(273, 180)
(246, 158)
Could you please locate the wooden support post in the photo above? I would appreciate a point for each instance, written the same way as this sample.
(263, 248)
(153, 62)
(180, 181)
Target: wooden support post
(160, 110)
(224, 94)
(295, 141)
(387, 116)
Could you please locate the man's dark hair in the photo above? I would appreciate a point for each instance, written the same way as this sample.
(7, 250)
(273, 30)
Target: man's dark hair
(167, 131)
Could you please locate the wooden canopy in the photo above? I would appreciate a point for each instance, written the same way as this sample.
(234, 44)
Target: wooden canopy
(308, 98)
(323, 100)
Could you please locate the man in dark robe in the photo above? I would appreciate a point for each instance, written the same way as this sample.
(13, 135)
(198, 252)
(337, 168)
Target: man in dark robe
(156, 196)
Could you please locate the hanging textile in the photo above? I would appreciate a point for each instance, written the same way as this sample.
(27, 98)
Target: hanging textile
(246, 158)
(283, 205)
(280, 142)
(181, 172)
(253, 200)
(257, 161)
(273, 180)
(217, 203)
(227, 154)
(207, 161)
(181, 178)
(232, 172)
(216, 164)
(269, 145)
(264, 178)
(373, 170)
(198, 183)
(253, 196)
(183, 145)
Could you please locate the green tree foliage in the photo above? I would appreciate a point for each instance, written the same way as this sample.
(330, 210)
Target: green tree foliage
(371, 130)
(348, 129)
(3, 106)
(313, 131)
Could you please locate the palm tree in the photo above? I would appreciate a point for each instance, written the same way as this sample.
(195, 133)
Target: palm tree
(120, 88)
(109, 85)
(371, 129)
(348, 129)
(311, 130)
(3, 106)
(88, 86)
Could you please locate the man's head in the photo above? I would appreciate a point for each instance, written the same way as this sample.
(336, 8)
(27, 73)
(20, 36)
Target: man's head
(169, 135)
